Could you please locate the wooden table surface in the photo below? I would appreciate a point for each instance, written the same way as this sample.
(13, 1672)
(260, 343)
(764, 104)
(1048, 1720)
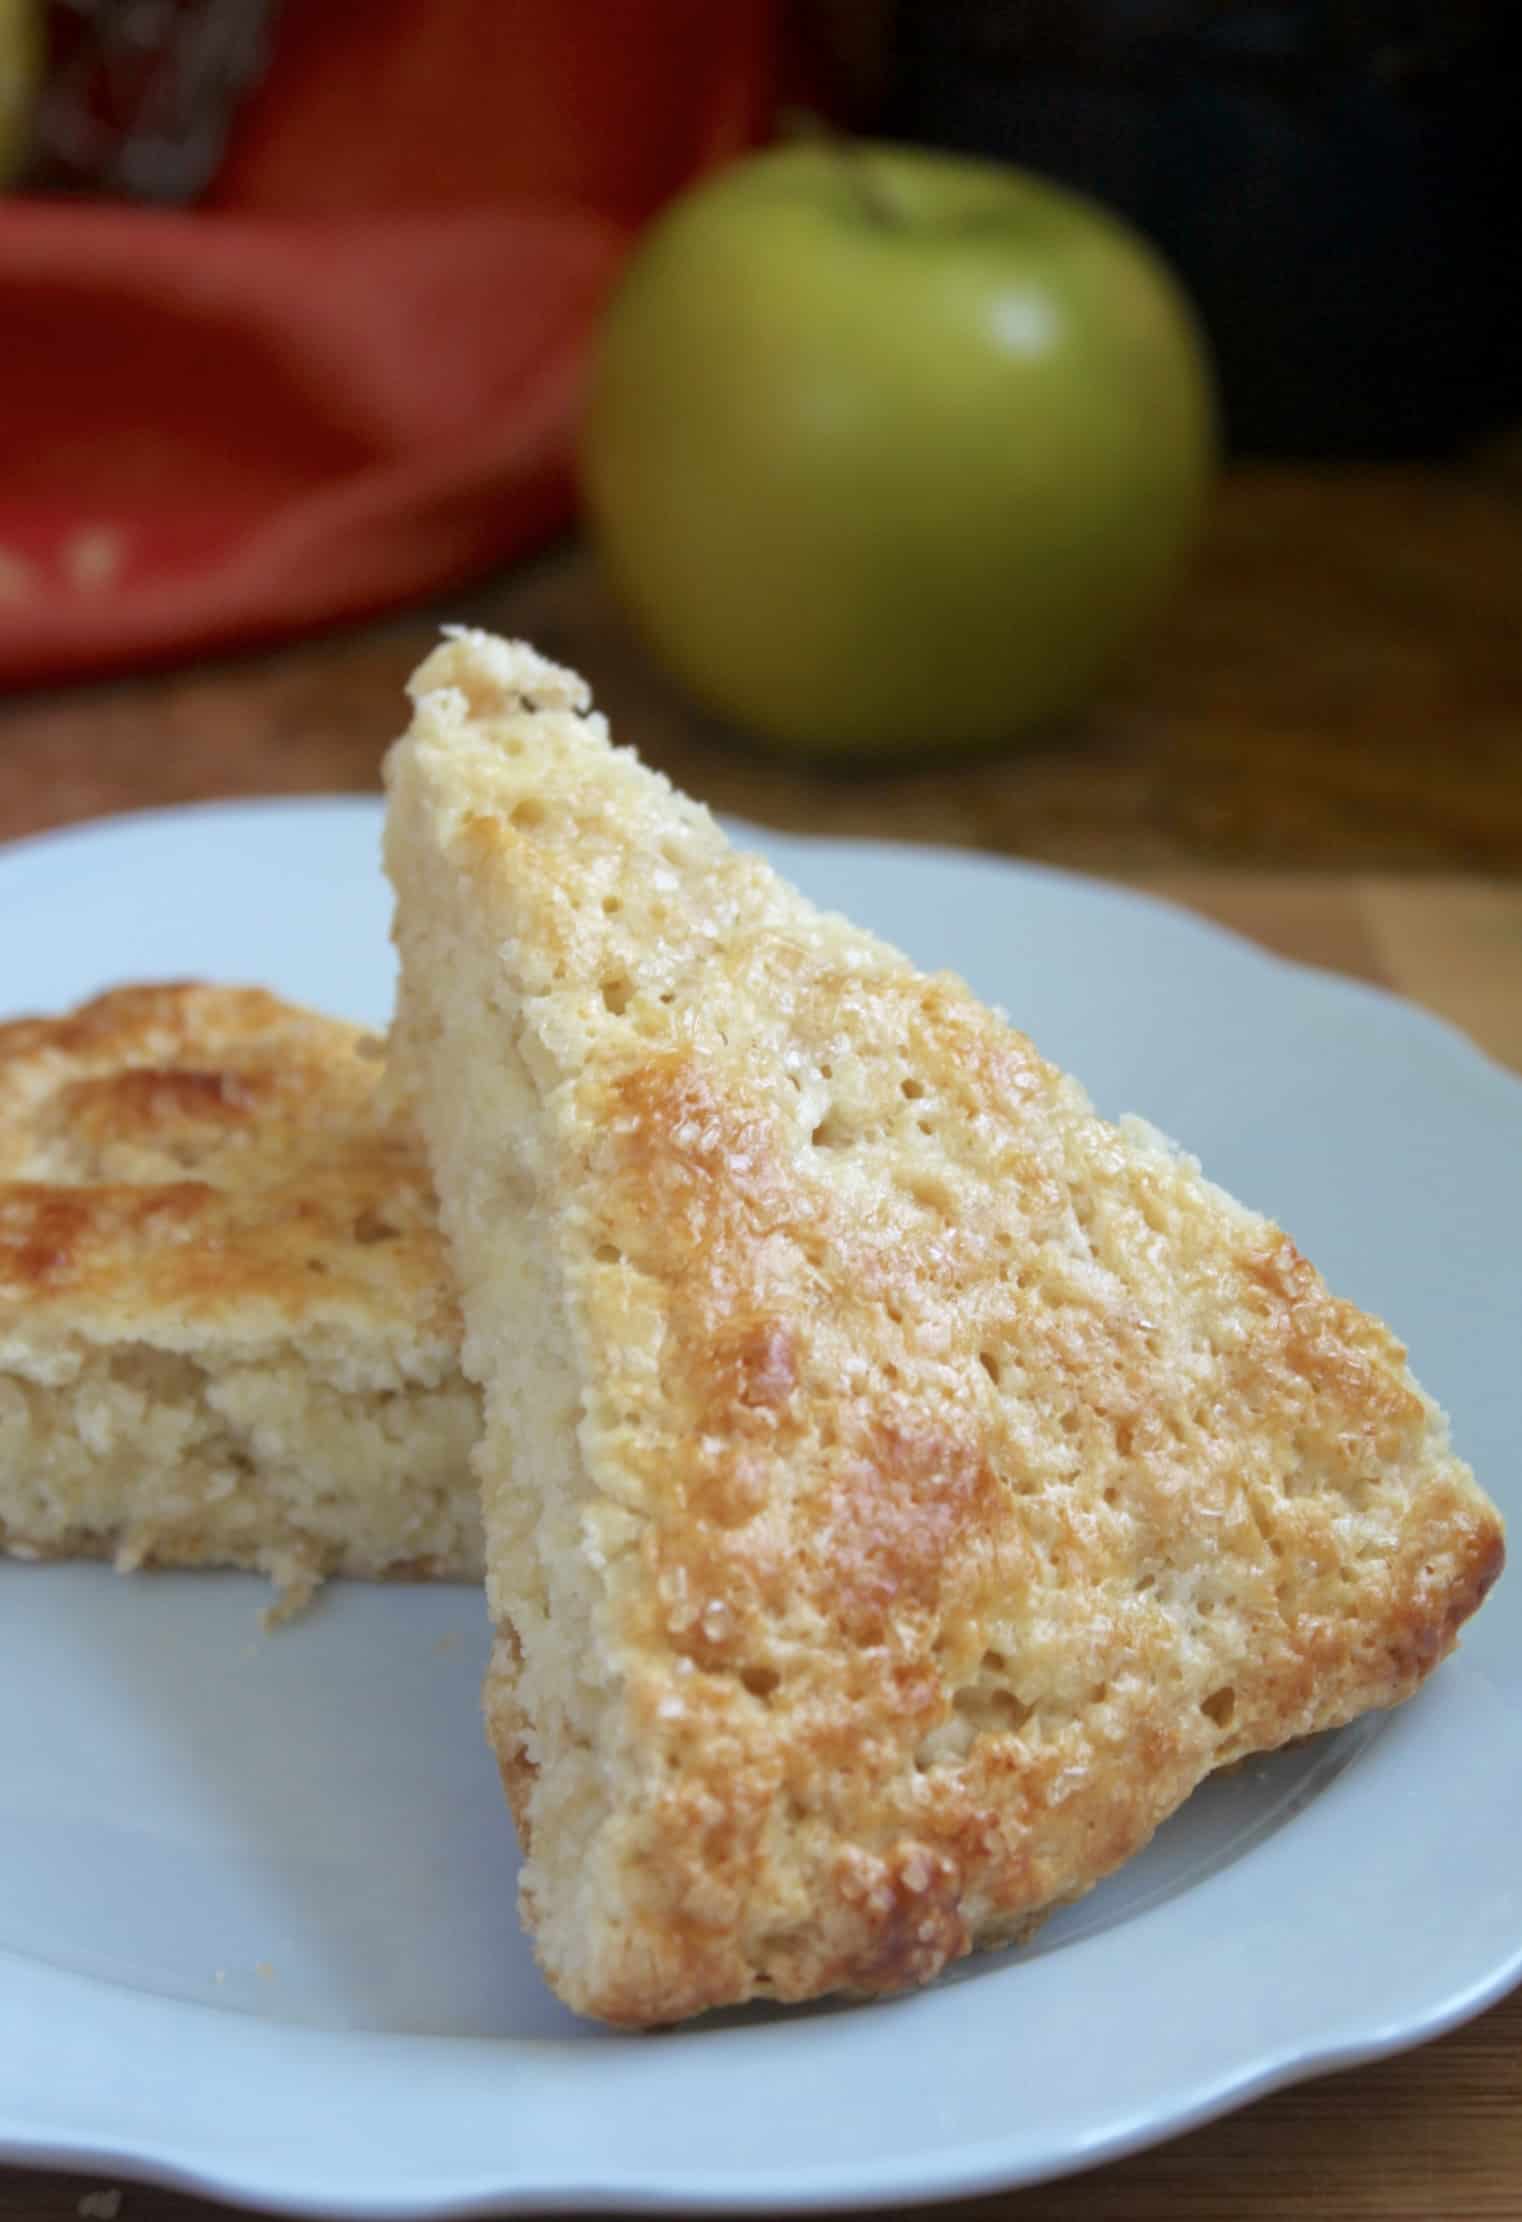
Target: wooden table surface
(1321, 746)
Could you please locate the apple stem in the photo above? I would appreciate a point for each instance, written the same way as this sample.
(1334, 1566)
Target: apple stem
(876, 199)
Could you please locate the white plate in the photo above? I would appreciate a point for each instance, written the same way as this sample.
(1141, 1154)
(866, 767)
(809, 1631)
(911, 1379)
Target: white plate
(256, 1894)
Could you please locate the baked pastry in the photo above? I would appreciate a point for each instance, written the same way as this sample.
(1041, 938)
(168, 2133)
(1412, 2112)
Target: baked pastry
(227, 1333)
(901, 1485)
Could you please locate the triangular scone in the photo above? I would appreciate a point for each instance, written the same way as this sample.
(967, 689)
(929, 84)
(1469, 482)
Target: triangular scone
(901, 1485)
(228, 1335)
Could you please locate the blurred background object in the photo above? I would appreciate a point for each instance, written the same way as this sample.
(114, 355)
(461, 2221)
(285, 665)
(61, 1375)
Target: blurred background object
(138, 99)
(891, 453)
(21, 58)
(294, 302)
(1338, 182)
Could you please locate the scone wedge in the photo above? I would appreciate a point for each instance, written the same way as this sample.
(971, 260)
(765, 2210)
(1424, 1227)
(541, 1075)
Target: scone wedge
(901, 1485)
(228, 1336)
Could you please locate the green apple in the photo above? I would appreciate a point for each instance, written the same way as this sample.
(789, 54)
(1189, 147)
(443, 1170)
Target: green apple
(21, 44)
(890, 451)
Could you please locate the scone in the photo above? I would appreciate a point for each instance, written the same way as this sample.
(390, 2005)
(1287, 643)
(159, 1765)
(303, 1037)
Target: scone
(901, 1485)
(227, 1332)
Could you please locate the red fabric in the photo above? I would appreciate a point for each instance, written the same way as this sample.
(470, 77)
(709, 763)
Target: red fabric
(349, 378)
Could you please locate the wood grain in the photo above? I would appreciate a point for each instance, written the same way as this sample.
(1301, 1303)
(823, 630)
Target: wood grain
(1323, 750)
(1338, 687)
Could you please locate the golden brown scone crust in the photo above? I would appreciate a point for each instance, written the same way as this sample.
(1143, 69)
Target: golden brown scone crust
(211, 1239)
(958, 1477)
(207, 1158)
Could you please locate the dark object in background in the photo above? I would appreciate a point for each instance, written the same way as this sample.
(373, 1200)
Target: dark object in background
(1340, 186)
(140, 94)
